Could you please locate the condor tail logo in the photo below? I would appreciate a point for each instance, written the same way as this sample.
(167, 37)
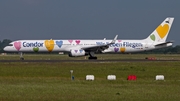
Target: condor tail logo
(161, 32)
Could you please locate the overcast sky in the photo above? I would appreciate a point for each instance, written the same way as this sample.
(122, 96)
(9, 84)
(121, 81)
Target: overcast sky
(86, 19)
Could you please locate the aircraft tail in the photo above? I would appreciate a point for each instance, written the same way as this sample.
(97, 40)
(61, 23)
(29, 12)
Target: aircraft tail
(159, 35)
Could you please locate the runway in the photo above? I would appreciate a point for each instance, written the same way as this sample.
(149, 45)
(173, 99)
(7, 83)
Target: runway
(119, 60)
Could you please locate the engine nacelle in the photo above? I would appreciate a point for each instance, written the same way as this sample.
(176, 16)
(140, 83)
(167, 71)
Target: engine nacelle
(76, 53)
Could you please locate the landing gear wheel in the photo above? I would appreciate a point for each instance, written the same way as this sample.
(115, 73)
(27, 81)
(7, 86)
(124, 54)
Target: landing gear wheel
(21, 58)
(94, 58)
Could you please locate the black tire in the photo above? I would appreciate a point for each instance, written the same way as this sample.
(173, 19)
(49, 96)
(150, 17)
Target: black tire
(92, 58)
(21, 58)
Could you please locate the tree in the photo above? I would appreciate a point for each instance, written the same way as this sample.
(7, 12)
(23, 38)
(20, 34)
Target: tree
(3, 44)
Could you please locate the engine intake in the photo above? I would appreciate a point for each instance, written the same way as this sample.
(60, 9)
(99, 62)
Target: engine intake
(76, 53)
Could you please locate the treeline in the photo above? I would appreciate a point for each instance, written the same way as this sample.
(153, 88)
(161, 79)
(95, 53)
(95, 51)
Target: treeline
(4, 43)
(168, 50)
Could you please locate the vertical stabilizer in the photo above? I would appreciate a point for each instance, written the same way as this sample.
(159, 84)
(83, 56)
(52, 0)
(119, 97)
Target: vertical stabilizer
(159, 35)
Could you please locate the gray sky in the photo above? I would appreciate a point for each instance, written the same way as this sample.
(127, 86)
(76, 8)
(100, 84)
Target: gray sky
(86, 19)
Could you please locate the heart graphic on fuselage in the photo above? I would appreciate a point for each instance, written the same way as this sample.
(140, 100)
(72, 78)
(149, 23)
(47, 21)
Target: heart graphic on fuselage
(116, 49)
(59, 43)
(36, 49)
(122, 49)
(49, 45)
(78, 41)
(17, 45)
(70, 41)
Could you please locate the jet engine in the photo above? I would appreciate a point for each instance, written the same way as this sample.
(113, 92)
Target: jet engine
(76, 53)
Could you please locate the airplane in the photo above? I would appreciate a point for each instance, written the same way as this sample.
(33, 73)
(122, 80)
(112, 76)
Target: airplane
(76, 48)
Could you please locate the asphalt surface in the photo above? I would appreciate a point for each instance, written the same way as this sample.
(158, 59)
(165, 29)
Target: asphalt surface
(120, 60)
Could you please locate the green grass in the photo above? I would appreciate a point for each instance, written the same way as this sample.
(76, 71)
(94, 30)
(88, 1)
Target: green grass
(100, 56)
(26, 81)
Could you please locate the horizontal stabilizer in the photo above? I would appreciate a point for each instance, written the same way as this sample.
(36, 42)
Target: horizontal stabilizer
(165, 43)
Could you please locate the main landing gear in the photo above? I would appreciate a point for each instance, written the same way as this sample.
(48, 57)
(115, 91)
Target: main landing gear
(21, 56)
(92, 56)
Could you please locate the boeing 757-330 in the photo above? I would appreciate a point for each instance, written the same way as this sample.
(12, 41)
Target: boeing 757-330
(75, 48)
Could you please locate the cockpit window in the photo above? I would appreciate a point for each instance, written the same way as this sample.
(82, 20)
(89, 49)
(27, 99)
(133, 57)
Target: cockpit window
(10, 45)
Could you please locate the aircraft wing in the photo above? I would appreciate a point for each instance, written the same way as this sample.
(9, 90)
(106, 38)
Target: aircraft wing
(100, 48)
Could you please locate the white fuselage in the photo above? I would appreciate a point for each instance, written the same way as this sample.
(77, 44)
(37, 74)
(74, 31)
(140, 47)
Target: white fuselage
(124, 46)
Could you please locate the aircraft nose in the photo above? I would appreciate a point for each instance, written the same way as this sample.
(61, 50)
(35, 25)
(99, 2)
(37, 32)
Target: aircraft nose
(7, 48)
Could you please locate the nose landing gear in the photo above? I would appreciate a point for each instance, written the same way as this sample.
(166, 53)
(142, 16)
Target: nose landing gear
(21, 56)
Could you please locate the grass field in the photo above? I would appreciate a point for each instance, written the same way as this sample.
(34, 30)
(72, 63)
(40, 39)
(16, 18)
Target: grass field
(29, 81)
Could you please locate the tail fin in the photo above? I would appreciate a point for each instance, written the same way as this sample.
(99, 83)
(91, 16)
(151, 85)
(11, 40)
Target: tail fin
(160, 34)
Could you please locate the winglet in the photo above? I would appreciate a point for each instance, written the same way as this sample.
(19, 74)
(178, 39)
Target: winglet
(114, 40)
